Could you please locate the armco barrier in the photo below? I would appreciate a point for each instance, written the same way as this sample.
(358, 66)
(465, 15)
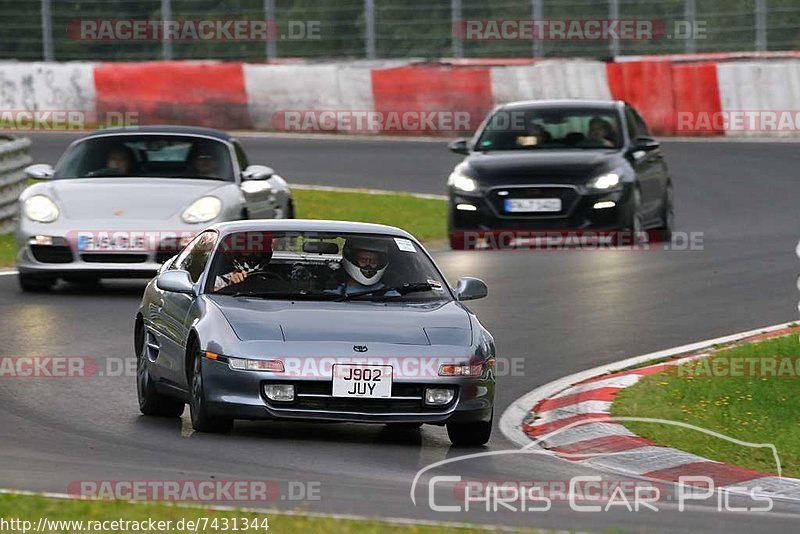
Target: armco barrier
(198, 93)
(13, 158)
(550, 79)
(648, 86)
(760, 86)
(695, 92)
(244, 96)
(433, 88)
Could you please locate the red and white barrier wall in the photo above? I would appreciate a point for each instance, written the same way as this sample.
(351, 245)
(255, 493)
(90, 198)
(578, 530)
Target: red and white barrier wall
(677, 96)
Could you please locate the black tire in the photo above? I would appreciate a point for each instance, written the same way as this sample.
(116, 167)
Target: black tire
(151, 402)
(290, 209)
(668, 217)
(201, 420)
(631, 234)
(35, 284)
(470, 434)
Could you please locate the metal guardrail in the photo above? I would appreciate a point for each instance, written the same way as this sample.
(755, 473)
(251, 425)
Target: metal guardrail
(14, 157)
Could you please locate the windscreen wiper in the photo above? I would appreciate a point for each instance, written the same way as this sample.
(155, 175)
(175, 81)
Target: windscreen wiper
(399, 290)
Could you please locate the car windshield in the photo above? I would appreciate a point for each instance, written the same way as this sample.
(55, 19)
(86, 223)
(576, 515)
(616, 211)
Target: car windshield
(324, 266)
(161, 156)
(550, 128)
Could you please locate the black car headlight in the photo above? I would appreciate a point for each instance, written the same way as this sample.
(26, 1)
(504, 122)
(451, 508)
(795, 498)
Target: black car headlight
(462, 182)
(605, 182)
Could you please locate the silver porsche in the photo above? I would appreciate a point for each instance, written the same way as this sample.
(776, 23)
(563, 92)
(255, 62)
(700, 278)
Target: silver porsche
(120, 202)
(313, 320)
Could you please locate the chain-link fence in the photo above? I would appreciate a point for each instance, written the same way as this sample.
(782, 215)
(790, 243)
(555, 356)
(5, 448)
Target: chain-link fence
(57, 30)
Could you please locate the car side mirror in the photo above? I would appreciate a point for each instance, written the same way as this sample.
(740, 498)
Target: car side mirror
(471, 289)
(459, 146)
(645, 143)
(175, 282)
(257, 172)
(39, 171)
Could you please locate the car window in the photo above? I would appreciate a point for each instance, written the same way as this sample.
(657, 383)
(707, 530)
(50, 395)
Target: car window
(324, 266)
(195, 256)
(241, 156)
(150, 155)
(641, 126)
(550, 128)
(630, 121)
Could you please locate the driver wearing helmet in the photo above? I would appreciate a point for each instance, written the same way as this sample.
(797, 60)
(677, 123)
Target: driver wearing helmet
(238, 264)
(364, 260)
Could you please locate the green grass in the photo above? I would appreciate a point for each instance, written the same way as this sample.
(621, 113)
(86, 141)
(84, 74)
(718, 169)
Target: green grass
(756, 409)
(8, 249)
(31, 508)
(426, 219)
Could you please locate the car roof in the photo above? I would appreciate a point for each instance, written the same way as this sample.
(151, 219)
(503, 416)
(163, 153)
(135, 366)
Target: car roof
(307, 225)
(564, 103)
(163, 129)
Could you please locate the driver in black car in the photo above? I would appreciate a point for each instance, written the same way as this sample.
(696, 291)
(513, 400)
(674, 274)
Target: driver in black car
(238, 264)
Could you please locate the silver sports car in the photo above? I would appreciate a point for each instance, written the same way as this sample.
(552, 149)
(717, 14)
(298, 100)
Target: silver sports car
(119, 202)
(324, 320)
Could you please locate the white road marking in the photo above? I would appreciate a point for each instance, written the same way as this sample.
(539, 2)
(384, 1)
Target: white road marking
(186, 427)
(643, 459)
(620, 382)
(365, 191)
(7, 273)
(580, 408)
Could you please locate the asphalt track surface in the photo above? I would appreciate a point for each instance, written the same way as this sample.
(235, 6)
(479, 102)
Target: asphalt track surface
(557, 312)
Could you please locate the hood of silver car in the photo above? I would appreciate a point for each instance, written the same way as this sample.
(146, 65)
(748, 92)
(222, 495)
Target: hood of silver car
(357, 322)
(128, 198)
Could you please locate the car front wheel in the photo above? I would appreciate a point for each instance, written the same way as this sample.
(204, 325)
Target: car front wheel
(35, 284)
(470, 434)
(201, 420)
(151, 402)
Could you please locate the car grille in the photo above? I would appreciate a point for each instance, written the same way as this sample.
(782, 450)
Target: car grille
(568, 197)
(52, 253)
(316, 396)
(114, 257)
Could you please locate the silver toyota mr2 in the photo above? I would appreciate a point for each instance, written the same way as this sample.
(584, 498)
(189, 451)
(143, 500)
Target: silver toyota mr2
(313, 320)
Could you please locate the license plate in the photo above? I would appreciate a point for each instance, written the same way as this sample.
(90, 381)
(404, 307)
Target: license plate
(110, 243)
(365, 381)
(513, 205)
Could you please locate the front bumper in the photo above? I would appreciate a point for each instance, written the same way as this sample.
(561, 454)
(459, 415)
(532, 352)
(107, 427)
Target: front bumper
(49, 251)
(239, 395)
(486, 211)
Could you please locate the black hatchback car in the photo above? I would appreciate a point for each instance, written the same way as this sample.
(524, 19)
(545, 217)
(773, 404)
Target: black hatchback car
(560, 166)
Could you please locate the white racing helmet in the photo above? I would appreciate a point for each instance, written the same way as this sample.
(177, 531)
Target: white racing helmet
(369, 274)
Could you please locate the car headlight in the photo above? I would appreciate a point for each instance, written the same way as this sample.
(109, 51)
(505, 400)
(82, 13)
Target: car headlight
(461, 182)
(202, 210)
(41, 208)
(604, 181)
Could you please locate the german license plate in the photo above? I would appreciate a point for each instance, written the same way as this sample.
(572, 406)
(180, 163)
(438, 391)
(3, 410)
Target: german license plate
(111, 242)
(366, 381)
(515, 205)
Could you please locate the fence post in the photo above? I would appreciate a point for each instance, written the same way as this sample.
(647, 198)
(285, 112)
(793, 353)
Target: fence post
(537, 14)
(613, 14)
(269, 14)
(166, 16)
(47, 31)
(369, 17)
(455, 20)
(761, 25)
(690, 13)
